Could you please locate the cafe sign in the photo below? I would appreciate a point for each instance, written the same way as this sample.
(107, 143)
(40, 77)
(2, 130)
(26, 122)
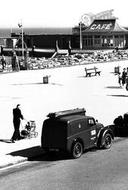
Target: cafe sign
(102, 26)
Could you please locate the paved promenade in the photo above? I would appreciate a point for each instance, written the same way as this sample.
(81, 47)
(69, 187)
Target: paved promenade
(68, 88)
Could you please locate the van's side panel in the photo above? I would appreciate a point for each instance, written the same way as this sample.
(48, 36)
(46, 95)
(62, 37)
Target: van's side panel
(79, 130)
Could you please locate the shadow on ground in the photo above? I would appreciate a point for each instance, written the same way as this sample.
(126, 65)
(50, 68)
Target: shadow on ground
(84, 76)
(81, 76)
(37, 154)
(114, 87)
(5, 140)
(38, 83)
(119, 95)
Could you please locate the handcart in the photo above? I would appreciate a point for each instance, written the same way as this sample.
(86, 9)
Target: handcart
(29, 130)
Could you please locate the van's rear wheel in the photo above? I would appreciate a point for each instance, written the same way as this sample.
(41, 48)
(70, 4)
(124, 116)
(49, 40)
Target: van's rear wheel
(77, 150)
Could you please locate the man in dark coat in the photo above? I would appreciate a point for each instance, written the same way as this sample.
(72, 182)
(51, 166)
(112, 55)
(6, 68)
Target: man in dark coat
(124, 74)
(16, 122)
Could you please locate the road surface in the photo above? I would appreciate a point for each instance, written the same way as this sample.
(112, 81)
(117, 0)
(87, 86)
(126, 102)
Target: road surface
(95, 170)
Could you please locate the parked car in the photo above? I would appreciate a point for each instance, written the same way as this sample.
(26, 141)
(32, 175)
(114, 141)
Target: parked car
(72, 131)
(120, 127)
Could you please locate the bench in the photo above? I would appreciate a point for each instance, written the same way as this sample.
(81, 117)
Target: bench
(92, 71)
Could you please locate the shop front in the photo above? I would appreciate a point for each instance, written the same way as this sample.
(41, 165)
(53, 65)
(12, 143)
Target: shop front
(104, 34)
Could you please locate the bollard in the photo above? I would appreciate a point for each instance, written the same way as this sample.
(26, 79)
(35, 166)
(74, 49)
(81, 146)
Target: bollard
(117, 70)
(45, 80)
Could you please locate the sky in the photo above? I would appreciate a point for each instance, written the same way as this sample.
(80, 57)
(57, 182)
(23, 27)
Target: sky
(57, 13)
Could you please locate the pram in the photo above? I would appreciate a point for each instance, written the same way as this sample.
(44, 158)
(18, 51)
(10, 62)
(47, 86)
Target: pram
(29, 130)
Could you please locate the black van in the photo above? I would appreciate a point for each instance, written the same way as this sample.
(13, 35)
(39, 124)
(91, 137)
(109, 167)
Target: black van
(73, 131)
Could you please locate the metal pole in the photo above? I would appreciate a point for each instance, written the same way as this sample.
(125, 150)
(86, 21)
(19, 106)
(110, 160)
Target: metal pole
(80, 37)
(22, 43)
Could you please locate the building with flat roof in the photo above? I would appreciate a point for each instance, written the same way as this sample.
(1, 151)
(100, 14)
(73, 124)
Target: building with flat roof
(100, 31)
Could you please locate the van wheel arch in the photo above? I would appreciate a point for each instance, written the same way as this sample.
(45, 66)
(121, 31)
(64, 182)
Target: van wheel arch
(77, 148)
(105, 140)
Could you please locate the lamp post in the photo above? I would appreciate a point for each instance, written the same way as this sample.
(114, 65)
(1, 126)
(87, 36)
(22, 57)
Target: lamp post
(22, 36)
(81, 45)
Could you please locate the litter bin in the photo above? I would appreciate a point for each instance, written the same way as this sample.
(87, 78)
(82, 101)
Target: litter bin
(45, 80)
(117, 70)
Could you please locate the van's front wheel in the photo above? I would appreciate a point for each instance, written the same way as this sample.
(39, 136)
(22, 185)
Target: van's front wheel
(107, 141)
(77, 150)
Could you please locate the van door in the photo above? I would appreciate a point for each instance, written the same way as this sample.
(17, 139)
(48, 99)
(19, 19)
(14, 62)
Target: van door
(80, 130)
(91, 131)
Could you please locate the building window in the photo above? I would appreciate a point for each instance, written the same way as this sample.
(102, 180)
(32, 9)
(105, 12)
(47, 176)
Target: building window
(107, 41)
(119, 41)
(97, 40)
(87, 41)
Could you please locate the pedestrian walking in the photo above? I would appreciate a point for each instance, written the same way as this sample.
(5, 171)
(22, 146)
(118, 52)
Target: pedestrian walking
(17, 116)
(120, 79)
(124, 74)
(15, 62)
(127, 83)
(3, 62)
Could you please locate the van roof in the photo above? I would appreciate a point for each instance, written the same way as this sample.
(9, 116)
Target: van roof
(72, 118)
(59, 114)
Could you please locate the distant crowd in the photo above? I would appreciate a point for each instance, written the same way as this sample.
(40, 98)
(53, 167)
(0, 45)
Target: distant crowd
(123, 78)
